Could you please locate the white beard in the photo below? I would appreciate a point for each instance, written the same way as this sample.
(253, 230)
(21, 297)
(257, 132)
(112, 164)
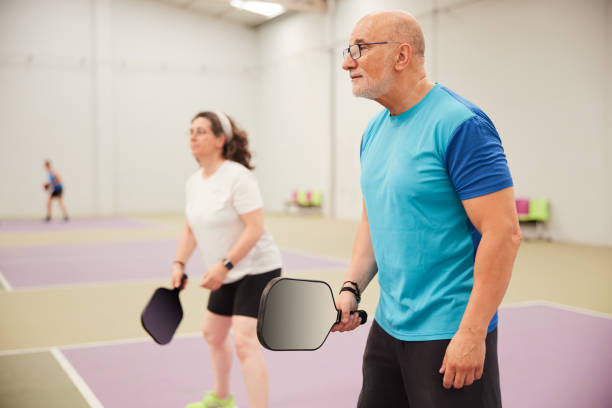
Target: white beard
(374, 90)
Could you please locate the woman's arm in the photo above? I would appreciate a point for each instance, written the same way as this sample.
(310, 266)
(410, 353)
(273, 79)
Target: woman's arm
(253, 230)
(185, 248)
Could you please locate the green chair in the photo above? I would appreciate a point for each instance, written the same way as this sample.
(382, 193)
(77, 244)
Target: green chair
(538, 214)
(302, 198)
(538, 209)
(316, 198)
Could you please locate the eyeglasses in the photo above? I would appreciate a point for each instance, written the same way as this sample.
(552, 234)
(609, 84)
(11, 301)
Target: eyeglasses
(355, 49)
(197, 132)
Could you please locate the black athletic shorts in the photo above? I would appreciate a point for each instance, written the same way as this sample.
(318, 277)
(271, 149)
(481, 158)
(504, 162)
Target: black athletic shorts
(241, 297)
(57, 192)
(405, 374)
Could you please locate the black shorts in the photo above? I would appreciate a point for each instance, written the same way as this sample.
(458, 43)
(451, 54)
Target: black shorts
(57, 192)
(241, 297)
(406, 374)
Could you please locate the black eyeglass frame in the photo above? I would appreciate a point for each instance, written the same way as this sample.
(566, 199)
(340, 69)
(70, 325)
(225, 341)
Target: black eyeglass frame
(359, 45)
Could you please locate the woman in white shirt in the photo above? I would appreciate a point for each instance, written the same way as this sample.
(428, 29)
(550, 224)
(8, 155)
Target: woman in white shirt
(225, 220)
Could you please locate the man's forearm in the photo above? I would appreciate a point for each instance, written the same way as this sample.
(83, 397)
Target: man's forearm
(492, 271)
(363, 263)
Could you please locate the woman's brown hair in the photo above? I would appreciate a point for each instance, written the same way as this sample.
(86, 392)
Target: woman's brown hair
(237, 148)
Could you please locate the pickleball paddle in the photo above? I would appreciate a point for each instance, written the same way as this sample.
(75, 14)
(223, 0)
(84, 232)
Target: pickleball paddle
(297, 314)
(162, 315)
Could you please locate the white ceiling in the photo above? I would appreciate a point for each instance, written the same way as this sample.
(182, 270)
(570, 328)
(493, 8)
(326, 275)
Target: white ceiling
(223, 10)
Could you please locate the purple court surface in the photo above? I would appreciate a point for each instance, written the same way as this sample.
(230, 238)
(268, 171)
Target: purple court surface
(74, 224)
(549, 357)
(98, 262)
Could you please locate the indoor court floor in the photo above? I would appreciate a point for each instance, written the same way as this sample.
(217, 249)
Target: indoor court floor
(72, 293)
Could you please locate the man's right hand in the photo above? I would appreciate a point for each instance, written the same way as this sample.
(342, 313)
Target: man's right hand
(347, 303)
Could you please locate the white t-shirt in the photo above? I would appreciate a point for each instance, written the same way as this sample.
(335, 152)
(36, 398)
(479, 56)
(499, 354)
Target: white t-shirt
(213, 208)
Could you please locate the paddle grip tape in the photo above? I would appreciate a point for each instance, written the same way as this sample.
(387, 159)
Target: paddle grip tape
(183, 279)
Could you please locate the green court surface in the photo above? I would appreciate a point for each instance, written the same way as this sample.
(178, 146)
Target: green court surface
(36, 380)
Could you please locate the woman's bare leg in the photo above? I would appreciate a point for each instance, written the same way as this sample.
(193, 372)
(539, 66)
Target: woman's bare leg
(254, 368)
(215, 330)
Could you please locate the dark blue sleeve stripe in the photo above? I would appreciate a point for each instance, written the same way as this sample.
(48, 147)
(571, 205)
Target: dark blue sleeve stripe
(361, 147)
(475, 159)
(466, 195)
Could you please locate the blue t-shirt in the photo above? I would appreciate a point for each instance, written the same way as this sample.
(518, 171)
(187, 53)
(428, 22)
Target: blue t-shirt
(416, 168)
(54, 184)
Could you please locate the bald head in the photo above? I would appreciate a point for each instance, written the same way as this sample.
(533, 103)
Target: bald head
(385, 58)
(397, 26)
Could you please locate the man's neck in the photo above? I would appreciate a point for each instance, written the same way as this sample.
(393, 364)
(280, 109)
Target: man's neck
(406, 95)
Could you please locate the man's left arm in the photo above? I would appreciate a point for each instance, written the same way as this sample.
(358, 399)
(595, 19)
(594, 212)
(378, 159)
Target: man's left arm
(494, 216)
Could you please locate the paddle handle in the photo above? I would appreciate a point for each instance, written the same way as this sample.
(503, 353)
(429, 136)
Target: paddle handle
(183, 279)
(362, 315)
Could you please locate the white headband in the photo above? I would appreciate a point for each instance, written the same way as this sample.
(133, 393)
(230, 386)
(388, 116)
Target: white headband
(226, 125)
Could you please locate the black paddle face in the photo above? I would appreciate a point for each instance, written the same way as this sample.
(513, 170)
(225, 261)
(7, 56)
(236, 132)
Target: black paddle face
(296, 314)
(162, 315)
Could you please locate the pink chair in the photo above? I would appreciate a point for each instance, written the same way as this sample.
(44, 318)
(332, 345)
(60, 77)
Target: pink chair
(522, 208)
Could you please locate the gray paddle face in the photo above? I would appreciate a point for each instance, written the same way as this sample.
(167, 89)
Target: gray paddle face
(295, 314)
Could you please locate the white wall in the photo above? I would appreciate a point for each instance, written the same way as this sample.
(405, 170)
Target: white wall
(606, 217)
(293, 108)
(543, 88)
(171, 64)
(540, 69)
(106, 90)
(45, 102)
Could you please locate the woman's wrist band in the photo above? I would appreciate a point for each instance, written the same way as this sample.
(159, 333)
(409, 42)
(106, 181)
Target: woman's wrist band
(228, 264)
(179, 262)
(353, 291)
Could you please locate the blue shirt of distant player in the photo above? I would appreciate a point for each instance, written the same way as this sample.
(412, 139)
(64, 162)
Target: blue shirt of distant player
(55, 185)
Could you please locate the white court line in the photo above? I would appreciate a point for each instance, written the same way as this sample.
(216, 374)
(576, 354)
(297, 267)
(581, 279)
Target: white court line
(515, 305)
(556, 305)
(158, 281)
(77, 380)
(5, 284)
(27, 259)
(60, 286)
(76, 285)
(127, 341)
(92, 344)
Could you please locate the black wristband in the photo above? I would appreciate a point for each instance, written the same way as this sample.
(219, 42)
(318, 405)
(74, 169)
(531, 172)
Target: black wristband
(352, 283)
(353, 291)
(356, 287)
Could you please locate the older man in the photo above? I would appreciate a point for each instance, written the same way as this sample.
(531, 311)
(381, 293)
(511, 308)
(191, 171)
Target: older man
(439, 226)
